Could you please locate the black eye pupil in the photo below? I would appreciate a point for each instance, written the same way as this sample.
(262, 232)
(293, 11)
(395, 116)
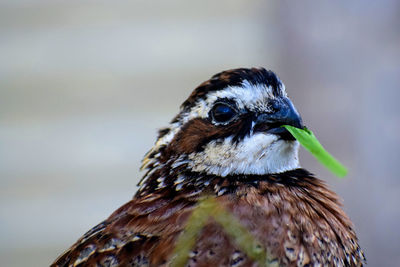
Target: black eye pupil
(223, 113)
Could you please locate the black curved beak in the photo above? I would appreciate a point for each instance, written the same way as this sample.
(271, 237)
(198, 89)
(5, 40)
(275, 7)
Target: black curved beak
(284, 114)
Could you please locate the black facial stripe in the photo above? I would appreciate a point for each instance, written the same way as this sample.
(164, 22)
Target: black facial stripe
(227, 101)
(162, 132)
(241, 129)
(245, 128)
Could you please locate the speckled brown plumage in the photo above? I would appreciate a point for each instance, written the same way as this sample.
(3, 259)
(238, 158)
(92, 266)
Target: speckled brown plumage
(292, 214)
(295, 217)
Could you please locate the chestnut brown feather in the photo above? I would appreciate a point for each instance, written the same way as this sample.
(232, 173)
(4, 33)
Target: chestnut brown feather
(296, 218)
(198, 132)
(294, 215)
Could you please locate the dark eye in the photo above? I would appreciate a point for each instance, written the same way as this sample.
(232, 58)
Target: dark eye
(222, 112)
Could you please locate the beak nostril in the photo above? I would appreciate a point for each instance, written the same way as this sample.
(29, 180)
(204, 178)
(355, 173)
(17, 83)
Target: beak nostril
(275, 106)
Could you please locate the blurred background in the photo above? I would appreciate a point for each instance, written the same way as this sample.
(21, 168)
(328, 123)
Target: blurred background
(84, 85)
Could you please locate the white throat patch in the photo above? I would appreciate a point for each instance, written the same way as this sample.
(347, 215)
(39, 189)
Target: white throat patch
(260, 153)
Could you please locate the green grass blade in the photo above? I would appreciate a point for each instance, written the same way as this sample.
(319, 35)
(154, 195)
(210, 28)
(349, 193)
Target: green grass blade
(242, 236)
(209, 208)
(308, 140)
(187, 240)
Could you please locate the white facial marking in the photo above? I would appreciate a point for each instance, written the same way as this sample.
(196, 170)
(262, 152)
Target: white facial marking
(250, 96)
(260, 153)
(253, 97)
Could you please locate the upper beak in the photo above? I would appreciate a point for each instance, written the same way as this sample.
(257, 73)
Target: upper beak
(284, 114)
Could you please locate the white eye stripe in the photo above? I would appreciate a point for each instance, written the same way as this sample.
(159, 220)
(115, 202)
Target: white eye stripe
(247, 96)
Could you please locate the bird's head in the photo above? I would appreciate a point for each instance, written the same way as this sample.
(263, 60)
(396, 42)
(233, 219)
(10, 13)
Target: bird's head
(231, 125)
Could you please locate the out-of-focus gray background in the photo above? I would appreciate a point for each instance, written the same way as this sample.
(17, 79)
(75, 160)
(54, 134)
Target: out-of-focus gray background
(85, 84)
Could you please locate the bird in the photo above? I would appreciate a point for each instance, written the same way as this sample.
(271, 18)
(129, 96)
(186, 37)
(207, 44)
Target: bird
(226, 143)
